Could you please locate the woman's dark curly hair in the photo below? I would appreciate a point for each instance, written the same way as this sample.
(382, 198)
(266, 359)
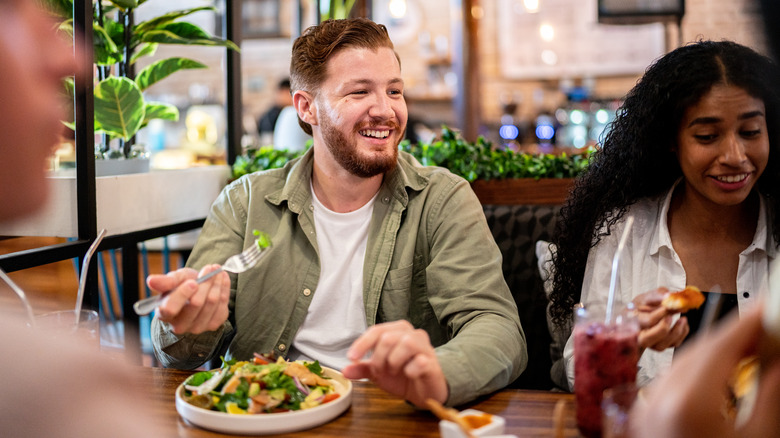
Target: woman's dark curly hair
(637, 160)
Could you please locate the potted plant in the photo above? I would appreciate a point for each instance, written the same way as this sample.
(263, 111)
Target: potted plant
(266, 157)
(120, 108)
(502, 176)
(498, 176)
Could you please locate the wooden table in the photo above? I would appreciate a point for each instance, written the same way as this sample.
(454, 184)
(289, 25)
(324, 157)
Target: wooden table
(374, 413)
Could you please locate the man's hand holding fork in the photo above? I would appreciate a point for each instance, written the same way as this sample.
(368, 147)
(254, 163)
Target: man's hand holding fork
(191, 307)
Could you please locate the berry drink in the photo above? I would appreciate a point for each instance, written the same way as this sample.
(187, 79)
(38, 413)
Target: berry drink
(605, 355)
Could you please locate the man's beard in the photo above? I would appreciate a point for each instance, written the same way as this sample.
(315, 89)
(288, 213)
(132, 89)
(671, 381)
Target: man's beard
(349, 157)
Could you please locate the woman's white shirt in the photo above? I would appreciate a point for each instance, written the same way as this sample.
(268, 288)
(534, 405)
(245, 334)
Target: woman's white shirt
(649, 261)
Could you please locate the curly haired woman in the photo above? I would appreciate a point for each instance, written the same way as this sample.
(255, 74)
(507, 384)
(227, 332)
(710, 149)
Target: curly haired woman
(692, 155)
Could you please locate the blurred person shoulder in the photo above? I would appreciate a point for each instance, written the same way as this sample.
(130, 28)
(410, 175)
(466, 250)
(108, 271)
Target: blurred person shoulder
(62, 388)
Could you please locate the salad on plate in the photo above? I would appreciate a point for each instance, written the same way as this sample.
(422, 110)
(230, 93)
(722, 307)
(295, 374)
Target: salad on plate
(260, 386)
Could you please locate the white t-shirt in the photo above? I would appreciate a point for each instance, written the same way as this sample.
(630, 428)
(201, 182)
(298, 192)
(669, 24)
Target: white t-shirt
(336, 315)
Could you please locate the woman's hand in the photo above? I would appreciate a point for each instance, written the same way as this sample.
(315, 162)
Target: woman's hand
(657, 328)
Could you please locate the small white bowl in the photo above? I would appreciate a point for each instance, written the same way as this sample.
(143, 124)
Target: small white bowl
(448, 429)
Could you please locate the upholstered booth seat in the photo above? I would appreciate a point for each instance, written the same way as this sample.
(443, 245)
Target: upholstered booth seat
(516, 229)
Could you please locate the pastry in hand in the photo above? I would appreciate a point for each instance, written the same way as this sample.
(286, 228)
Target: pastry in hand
(683, 300)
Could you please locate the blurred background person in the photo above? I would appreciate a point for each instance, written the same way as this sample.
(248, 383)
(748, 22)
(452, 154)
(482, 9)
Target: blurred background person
(279, 125)
(267, 122)
(51, 387)
(288, 134)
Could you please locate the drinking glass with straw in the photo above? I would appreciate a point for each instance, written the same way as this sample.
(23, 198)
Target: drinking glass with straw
(54, 322)
(606, 350)
(81, 323)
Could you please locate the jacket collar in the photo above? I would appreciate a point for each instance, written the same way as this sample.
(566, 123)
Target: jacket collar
(296, 191)
(408, 174)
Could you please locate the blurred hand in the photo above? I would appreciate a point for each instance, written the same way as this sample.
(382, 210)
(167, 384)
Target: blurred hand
(657, 329)
(689, 400)
(192, 307)
(403, 362)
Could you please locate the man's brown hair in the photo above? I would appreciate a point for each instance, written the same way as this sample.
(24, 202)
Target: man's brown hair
(317, 44)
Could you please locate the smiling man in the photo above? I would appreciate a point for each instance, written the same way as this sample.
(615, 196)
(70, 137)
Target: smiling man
(379, 267)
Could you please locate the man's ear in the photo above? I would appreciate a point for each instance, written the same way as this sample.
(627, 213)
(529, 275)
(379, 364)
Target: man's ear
(303, 101)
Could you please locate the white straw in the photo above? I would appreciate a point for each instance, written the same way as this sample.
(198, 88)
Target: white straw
(615, 262)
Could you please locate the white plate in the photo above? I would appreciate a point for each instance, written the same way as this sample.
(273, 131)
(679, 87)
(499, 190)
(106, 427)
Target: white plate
(281, 422)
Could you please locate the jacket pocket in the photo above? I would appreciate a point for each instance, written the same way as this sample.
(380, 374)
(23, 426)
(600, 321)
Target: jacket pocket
(396, 294)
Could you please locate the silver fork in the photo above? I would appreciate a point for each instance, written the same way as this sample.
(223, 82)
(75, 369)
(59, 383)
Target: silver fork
(235, 264)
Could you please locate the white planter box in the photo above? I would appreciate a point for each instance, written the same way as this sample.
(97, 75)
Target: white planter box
(127, 203)
(120, 167)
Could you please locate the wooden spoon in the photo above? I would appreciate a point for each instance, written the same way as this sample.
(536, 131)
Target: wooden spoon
(449, 414)
(559, 420)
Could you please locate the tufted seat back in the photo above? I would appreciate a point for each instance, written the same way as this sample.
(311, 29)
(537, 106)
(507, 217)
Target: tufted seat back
(516, 228)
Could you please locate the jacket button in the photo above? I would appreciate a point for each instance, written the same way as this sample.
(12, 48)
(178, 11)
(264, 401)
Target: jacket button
(282, 347)
(746, 294)
(386, 199)
(307, 292)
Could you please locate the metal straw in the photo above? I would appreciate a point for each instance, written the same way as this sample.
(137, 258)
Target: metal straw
(22, 296)
(84, 268)
(615, 262)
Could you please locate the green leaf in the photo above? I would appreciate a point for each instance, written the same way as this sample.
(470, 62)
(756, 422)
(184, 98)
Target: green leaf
(338, 9)
(70, 86)
(60, 8)
(185, 30)
(66, 27)
(125, 4)
(197, 379)
(163, 68)
(159, 110)
(106, 51)
(119, 107)
(185, 34)
(146, 49)
(314, 367)
(170, 17)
